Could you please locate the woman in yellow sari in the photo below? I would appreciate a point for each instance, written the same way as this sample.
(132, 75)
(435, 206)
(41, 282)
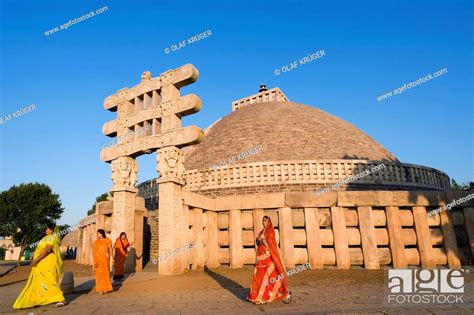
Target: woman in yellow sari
(102, 250)
(43, 286)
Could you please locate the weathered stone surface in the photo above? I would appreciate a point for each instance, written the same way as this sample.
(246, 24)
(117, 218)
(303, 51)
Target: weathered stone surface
(250, 201)
(309, 199)
(286, 236)
(182, 76)
(268, 128)
(397, 244)
(221, 209)
(235, 239)
(313, 235)
(104, 207)
(368, 238)
(459, 195)
(182, 137)
(155, 103)
(198, 201)
(364, 198)
(212, 240)
(418, 198)
(423, 234)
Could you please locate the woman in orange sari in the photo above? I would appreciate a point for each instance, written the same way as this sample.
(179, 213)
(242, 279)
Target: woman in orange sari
(269, 280)
(121, 248)
(102, 250)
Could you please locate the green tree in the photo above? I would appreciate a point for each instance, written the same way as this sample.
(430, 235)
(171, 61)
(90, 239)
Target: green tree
(100, 198)
(456, 186)
(63, 227)
(25, 210)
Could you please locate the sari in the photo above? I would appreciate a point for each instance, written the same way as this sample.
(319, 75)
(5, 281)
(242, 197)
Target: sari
(269, 281)
(101, 253)
(43, 285)
(121, 252)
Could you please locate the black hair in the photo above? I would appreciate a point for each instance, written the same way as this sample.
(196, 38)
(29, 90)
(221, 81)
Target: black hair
(51, 226)
(102, 232)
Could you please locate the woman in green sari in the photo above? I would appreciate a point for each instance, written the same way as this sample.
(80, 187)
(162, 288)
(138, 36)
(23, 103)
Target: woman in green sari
(43, 286)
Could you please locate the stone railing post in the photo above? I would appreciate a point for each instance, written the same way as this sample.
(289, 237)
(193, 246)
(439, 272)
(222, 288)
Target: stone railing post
(212, 240)
(235, 239)
(285, 224)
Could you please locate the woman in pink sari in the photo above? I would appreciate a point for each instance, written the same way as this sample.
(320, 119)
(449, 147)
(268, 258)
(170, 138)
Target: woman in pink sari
(269, 281)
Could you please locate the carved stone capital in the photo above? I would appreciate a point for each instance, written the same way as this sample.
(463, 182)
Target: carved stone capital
(124, 174)
(146, 76)
(171, 165)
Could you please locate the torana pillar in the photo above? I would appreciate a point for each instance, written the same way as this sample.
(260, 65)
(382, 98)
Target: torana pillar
(155, 103)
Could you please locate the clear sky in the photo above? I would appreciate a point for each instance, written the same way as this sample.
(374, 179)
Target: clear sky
(371, 47)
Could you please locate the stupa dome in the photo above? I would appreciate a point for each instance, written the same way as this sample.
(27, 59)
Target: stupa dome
(286, 131)
(270, 144)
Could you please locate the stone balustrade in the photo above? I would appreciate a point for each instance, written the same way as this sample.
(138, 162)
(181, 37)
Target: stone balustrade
(274, 94)
(338, 228)
(343, 229)
(308, 175)
(314, 174)
(86, 237)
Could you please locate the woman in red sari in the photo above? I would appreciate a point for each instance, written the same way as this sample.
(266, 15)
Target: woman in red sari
(269, 281)
(121, 248)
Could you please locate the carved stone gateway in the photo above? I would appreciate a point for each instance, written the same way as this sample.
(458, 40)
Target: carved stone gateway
(389, 218)
(154, 104)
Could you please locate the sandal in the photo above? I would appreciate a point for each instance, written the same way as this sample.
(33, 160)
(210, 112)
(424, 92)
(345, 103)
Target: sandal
(60, 304)
(287, 299)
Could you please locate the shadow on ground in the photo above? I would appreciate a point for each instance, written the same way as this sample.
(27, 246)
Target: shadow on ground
(82, 289)
(117, 284)
(230, 285)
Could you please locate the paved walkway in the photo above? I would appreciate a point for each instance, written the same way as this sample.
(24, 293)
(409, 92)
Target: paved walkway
(7, 266)
(223, 291)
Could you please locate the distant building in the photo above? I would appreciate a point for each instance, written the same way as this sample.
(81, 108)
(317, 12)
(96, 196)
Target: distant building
(12, 252)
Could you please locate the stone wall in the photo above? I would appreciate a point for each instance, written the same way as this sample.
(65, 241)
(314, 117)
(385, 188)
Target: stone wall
(153, 222)
(282, 176)
(317, 173)
(308, 187)
(104, 218)
(86, 236)
(342, 229)
(274, 94)
(149, 191)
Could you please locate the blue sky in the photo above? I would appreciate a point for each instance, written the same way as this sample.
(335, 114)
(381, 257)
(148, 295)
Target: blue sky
(371, 47)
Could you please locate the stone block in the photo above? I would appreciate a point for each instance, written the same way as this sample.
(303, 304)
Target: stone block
(364, 198)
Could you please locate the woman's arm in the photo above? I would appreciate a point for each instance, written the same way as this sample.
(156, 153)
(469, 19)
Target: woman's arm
(110, 251)
(45, 252)
(94, 257)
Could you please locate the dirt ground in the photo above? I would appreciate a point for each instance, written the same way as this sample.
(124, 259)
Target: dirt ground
(21, 273)
(223, 291)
